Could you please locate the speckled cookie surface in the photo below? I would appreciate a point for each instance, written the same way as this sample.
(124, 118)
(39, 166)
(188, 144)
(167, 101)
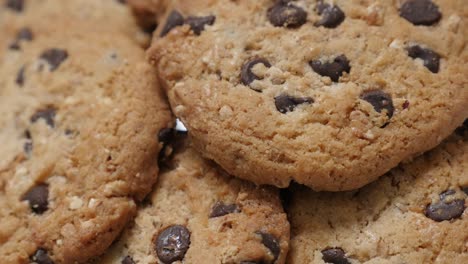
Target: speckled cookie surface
(331, 94)
(414, 214)
(199, 214)
(80, 113)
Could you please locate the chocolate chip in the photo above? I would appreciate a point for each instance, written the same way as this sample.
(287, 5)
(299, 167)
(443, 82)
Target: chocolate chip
(334, 69)
(380, 101)
(174, 19)
(335, 256)
(406, 104)
(172, 243)
(247, 76)
(447, 208)
(54, 57)
(15, 5)
(14, 46)
(332, 15)
(37, 197)
(28, 145)
(24, 34)
(41, 257)
(20, 77)
(48, 114)
(284, 14)
(197, 24)
(220, 209)
(430, 58)
(420, 12)
(271, 242)
(128, 260)
(285, 103)
(122, 2)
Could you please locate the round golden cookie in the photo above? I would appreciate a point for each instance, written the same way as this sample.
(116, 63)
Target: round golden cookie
(80, 114)
(199, 214)
(414, 214)
(330, 94)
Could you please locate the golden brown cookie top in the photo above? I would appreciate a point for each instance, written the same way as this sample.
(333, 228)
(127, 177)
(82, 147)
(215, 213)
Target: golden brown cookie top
(331, 94)
(80, 115)
(199, 214)
(416, 213)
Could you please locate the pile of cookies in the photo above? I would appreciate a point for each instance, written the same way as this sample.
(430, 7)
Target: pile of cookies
(233, 131)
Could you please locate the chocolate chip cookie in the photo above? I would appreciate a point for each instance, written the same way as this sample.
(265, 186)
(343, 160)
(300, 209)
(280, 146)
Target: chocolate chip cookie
(414, 214)
(331, 94)
(80, 114)
(199, 214)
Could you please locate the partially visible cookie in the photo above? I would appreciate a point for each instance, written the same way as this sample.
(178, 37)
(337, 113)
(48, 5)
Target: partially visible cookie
(331, 94)
(80, 114)
(199, 214)
(415, 214)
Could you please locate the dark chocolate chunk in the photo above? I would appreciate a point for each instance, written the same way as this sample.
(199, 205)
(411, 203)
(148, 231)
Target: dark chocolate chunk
(272, 243)
(54, 57)
(48, 114)
(285, 14)
(41, 257)
(38, 197)
(122, 1)
(430, 58)
(28, 145)
(174, 19)
(24, 34)
(335, 256)
(380, 101)
(420, 12)
(14, 46)
(20, 77)
(332, 15)
(128, 260)
(285, 103)
(334, 69)
(247, 76)
(172, 243)
(197, 24)
(447, 208)
(220, 209)
(15, 5)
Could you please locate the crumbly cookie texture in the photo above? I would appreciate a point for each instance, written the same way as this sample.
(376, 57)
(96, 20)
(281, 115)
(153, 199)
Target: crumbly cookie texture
(199, 214)
(414, 214)
(80, 113)
(331, 94)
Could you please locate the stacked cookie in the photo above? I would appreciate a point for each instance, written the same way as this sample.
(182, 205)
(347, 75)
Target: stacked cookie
(315, 131)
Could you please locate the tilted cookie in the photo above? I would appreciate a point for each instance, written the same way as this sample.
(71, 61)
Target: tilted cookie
(414, 214)
(80, 114)
(331, 94)
(199, 214)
